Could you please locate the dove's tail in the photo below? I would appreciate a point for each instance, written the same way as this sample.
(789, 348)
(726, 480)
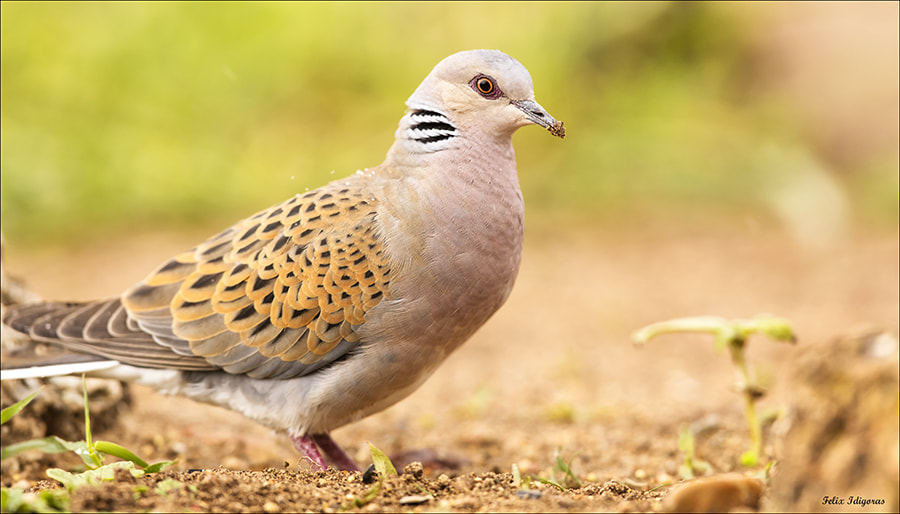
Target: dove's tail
(102, 330)
(71, 323)
(47, 322)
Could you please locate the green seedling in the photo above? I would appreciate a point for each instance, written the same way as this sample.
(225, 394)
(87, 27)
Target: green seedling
(548, 482)
(15, 499)
(569, 477)
(732, 334)
(691, 464)
(569, 481)
(385, 468)
(168, 485)
(92, 453)
(95, 476)
(525, 482)
(517, 476)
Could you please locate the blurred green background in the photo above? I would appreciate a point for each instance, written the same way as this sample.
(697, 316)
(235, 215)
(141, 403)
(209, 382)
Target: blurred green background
(131, 116)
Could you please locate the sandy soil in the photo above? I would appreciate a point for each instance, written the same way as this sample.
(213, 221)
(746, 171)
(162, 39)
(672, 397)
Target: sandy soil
(552, 374)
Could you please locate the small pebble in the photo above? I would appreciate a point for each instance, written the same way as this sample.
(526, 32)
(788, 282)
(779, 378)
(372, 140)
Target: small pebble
(415, 469)
(529, 494)
(369, 474)
(464, 482)
(414, 499)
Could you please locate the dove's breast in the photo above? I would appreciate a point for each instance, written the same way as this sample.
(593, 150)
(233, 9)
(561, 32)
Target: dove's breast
(454, 246)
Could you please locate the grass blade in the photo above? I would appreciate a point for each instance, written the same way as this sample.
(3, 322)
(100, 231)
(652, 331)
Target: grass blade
(7, 413)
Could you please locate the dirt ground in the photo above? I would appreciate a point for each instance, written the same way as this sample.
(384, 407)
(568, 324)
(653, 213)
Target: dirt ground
(554, 374)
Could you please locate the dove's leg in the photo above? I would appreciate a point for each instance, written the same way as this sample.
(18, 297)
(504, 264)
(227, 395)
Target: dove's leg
(307, 446)
(334, 452)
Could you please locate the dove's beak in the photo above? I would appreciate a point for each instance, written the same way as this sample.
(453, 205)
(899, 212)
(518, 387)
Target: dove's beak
(538, 115)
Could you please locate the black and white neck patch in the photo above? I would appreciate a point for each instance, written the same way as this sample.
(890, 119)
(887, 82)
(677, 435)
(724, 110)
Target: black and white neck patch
(430, 127)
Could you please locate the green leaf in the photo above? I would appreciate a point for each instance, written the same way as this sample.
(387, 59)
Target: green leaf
(776, 328)
(566, 468)
(370, 495)
(550, 482)
(14, 409)
(92, 458)
(11, 499)
(125, 454)
(51, 444)
(168, 485)
(138, 491)
(49, 500)
(159, 466)
(383, 464)
(92, 476)
(119, 451)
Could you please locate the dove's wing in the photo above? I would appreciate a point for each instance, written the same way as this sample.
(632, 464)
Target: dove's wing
(277, 295)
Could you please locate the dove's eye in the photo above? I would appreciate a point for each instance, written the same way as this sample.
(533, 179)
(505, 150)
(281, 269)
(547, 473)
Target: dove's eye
(486, 87)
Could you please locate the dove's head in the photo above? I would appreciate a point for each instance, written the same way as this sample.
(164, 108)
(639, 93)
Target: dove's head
(483, 91)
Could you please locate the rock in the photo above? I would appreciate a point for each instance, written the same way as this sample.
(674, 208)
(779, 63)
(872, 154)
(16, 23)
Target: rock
(838, 445)
(720, 493)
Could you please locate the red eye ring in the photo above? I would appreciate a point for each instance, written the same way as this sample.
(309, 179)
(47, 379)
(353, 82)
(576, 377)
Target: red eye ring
(486, 86)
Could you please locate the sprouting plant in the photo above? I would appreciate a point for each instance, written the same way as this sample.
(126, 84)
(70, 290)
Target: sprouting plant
(569, 477)
(528, 479)
(15, 499)
(691, 464)
(384, 468)
(93, 453)
(732, 334)
(569, 480)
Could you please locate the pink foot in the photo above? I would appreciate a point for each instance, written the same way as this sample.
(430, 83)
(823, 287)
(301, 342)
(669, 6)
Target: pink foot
(309, 446)
(306, 446)
(334, 452)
